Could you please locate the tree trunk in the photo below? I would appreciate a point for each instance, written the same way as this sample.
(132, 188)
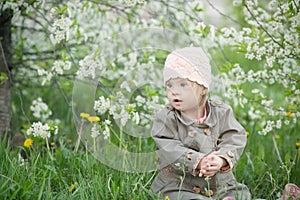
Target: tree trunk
(5, 66)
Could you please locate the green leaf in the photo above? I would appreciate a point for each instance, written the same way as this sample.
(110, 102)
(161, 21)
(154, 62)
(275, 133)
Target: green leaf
(3, 78)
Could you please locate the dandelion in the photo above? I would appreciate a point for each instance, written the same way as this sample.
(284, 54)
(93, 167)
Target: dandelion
(28, 143)
(52, 144)
(167, 198)
(291, 107)
(297, 145)
(93, 119)
(289, 114)
(277, 136)
(73, 187)
(84, 115)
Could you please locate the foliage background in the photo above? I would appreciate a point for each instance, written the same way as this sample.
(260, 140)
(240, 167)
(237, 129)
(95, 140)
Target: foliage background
(254, 52)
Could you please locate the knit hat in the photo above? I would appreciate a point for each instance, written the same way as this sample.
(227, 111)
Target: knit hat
(190, 63)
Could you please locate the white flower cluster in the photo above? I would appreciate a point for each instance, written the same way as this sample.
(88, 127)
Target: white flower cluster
(102, 105)
(60, 30)
(46, 75)
(40, 109)
(14, 5)
(59, 66)
(88, 67)
(39, 129)
(270, 126)
(95, 130)
(122, 114)
(106, 131)
(274, 41)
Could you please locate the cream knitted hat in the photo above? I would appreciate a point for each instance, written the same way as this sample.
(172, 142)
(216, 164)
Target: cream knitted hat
(190, 63)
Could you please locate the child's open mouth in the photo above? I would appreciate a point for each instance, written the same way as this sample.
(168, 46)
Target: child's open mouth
(177, 100)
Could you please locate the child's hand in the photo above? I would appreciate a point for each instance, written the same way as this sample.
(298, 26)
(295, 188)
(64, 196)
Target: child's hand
(211, 164)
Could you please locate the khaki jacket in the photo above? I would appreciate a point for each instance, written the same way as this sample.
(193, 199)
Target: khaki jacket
(181, 143)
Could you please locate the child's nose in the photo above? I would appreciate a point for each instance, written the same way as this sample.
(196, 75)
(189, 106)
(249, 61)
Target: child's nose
(175, 91)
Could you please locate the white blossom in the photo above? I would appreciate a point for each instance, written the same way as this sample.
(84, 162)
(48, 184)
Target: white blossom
(39, 129)
(278, 124)
(140, 100)
(88, 67)
(56, 130)
(59, 66)
(95, 131)
(106, 132)
(136, 117)
(46, 75)
(40, 109)
(102, 105)
(60, 30)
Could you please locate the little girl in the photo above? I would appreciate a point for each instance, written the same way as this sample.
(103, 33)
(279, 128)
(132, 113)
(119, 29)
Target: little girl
(198, 140)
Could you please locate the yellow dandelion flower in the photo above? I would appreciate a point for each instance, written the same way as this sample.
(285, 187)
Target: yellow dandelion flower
(93, 119)
(247, 133)
(167, 198)
(289, 114)
(277, 136)
(297, 145)
(28, 143)
(52, 144)
(84, 115)
(291, 107)
(72, 187)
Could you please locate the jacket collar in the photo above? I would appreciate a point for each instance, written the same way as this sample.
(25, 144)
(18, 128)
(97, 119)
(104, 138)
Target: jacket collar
(210, 121)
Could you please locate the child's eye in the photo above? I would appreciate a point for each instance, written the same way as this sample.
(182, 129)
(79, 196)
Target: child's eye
(168, 85)
(183, 84)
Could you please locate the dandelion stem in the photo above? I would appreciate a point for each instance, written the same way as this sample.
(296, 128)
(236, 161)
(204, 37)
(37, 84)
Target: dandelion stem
(49, 150)
(276, 150)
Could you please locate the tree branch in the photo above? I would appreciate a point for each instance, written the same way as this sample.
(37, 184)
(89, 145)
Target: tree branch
(226, 16)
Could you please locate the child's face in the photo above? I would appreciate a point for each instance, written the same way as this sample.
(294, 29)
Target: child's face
(183, 95)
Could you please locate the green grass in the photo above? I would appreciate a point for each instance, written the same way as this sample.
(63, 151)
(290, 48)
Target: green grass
(268, 163)
(44, 178)
(264, 170)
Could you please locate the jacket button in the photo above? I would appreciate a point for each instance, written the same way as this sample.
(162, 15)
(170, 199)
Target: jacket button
(230, 154)
(207, 131)
(218, 103)
(189, 156)
(197, 190)
(191, 133)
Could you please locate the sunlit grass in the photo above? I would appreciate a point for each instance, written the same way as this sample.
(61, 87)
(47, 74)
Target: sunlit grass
(79, 175)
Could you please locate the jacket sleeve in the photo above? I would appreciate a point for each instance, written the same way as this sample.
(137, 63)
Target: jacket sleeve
(232, 138)
(169, 148)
